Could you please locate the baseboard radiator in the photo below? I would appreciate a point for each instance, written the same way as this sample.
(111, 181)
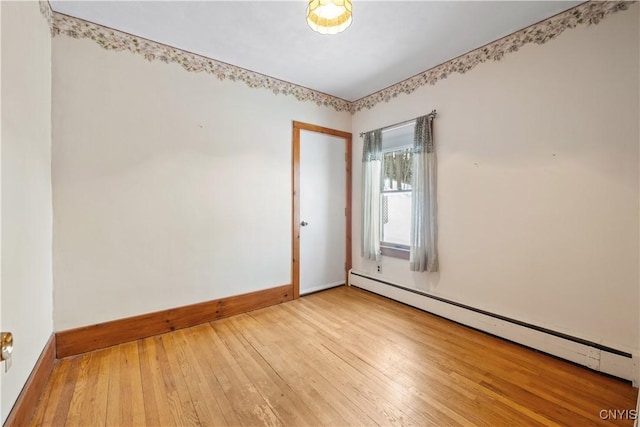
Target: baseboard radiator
(583, 352)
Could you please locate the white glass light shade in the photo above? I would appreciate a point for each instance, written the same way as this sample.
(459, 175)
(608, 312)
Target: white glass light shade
(329, 16)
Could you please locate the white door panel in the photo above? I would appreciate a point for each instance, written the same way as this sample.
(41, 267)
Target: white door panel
(322, 209)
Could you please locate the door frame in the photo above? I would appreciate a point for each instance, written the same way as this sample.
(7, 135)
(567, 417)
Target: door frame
(295, 216)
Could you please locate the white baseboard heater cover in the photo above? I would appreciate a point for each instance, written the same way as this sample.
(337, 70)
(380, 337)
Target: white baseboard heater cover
(590, 354)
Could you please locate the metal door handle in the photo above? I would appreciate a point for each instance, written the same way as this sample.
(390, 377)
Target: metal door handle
(6, 345)
(304, 223)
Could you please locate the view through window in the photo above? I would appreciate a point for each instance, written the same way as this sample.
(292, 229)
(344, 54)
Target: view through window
(397, 161)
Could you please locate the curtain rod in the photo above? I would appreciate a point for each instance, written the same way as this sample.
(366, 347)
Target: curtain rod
(433, 114)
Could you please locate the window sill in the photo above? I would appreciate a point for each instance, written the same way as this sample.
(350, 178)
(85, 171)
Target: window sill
(394, 252)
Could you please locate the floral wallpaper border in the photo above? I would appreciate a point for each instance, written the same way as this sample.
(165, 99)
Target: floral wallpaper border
(47, 12)
(588, 13)
(111, 39)
(591, 12)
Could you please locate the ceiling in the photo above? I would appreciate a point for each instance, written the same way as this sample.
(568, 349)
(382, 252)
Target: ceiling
(387, 42)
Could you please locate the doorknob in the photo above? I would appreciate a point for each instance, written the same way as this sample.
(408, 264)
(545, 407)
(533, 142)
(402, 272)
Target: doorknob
(6, 345)
(304, 223)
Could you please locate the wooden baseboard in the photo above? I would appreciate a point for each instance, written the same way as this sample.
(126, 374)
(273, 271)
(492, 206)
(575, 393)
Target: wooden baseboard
(28, 398)
(94, 337)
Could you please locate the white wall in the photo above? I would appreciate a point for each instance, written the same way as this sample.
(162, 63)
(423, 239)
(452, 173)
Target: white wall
(169, 187)
(538, 183)
(26, 190)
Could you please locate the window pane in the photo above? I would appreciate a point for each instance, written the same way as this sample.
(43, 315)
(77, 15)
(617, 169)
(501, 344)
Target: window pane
(396, 173)
(396, 218)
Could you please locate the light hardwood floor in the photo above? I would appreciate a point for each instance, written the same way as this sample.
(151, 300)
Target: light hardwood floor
(339, 357)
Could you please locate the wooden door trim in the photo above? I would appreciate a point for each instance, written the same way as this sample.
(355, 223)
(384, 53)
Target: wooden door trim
(295, 215)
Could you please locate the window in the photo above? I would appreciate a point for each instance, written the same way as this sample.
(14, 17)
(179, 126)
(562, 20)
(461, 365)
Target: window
(399, 200)
(395, 190)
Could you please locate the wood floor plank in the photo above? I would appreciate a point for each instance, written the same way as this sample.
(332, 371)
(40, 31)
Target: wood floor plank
(303, 373)
(377, 349)
(81, 410)
(153, 378)
(177, 394)
(151, 407)
(338, 357)
(113, 417)
(298, 382)
(131, 371)
(63, 401)
(215, 380)
(46, 409)
(251, 407)
(207, 408)
(515, 363)
(100, 402)
(280, 400)
(341, 373)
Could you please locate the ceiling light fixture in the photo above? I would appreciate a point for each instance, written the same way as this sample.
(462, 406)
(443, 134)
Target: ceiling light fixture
(329, 16)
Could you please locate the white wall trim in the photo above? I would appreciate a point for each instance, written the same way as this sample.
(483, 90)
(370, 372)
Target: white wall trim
(599, 358)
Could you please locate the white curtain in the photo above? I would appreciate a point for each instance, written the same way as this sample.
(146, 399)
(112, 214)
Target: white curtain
(371, 167)
(424, 236)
